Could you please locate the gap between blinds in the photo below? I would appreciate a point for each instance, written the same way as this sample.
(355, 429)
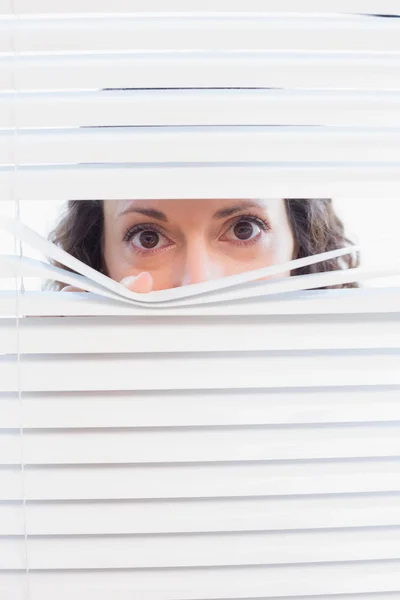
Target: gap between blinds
(232, 439)
(88, 279)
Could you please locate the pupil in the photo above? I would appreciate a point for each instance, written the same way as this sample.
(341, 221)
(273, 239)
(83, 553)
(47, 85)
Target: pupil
(243, 230)
(148, 239)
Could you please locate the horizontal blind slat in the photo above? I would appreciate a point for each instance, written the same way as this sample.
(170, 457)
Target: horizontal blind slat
(202, 445)
(198, 334)
(131, 6)
(201, 145)
(320, 34)
(352, 71)
(194, 408)
(220, 583)
(285, 180)
(202, 550)
(11, 484)
(11, 554)
(13, 585)
(200, 107)
(316, 302)
(201, 515)
(251, 370)
(124, 482)
(11, 519)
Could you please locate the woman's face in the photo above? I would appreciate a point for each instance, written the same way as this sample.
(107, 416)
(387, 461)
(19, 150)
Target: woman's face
(181, 242)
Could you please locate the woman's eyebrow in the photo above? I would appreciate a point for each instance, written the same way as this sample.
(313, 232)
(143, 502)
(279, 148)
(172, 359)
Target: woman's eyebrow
(147, 212)
(223, 213)
(231, 210)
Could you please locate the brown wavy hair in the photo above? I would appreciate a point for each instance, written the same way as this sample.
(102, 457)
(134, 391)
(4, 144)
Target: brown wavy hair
(315, 225)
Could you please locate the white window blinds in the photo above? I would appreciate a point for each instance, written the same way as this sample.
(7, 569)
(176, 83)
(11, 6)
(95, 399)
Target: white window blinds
(238, 439)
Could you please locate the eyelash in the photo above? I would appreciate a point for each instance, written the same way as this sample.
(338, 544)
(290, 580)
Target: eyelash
(262, 223)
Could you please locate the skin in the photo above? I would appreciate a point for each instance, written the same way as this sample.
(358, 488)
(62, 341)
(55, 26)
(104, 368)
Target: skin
(161, 244)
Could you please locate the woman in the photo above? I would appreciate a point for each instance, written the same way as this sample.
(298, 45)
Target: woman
(158, 244)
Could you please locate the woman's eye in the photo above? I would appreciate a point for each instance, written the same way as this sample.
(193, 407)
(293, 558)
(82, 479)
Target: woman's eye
(147, 239)
(244, 230)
